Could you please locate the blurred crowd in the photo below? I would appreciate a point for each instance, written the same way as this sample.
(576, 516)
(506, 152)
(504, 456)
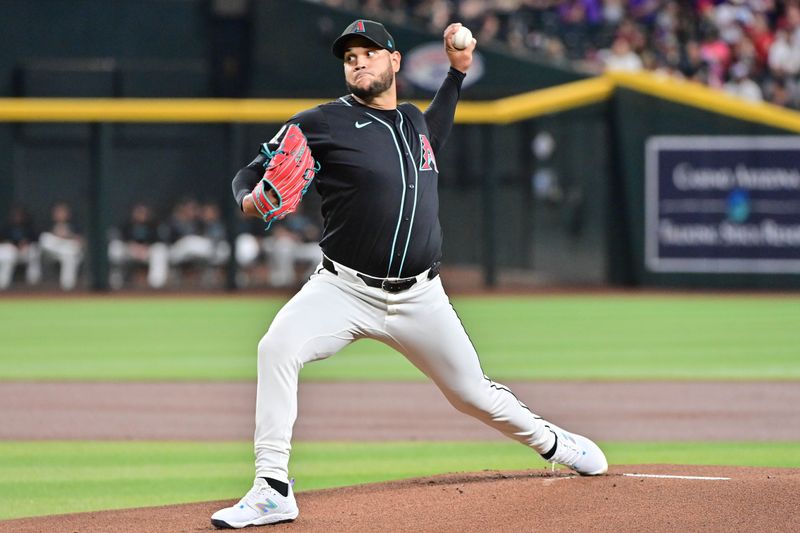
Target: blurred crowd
(750, 48)
(191, 246)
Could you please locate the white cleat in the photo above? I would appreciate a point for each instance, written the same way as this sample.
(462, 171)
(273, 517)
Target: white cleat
(260, 506)
(577, 452)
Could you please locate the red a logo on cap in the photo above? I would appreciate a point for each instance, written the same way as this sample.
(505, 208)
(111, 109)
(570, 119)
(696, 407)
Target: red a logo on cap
(359, 27)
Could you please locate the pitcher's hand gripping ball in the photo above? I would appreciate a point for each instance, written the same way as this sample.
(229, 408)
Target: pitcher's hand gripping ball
(462, 38)
(289, 173)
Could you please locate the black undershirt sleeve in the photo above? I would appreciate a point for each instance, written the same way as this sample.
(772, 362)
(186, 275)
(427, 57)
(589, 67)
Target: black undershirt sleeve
(439, 115)
(247, 178)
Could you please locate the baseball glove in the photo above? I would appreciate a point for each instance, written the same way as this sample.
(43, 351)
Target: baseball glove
(289, 172)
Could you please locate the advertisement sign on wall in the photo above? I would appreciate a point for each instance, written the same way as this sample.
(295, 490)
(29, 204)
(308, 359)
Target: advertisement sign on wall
(426, 65)
(722, 204)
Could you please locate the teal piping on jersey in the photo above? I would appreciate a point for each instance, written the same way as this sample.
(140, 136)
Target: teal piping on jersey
(317, 168)
(345, 102)
(416, 192)
(402, 197)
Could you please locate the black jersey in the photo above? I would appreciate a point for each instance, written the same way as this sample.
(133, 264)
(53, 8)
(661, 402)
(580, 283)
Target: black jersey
(378, 180)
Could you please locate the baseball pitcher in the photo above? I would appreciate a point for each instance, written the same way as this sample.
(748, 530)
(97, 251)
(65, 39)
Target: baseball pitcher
(373, 162)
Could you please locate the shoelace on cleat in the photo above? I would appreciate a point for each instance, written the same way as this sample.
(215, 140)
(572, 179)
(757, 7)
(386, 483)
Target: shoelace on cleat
(256, 494)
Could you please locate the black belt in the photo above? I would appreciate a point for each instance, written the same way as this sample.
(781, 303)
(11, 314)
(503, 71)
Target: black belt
(388, 285)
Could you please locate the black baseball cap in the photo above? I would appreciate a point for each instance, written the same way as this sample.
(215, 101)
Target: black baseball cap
(368, 29)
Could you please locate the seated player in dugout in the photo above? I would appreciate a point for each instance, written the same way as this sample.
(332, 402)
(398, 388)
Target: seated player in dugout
(64, 244)
(137, 242)
(375, 167)
(19, 246)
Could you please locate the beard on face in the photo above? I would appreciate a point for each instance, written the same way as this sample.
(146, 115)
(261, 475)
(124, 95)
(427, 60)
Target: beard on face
(378, 85)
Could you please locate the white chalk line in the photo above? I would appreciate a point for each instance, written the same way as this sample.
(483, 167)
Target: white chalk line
(665, 476)
(550, 480)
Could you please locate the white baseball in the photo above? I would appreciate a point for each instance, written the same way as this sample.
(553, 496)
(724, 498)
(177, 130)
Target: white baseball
(462, 38)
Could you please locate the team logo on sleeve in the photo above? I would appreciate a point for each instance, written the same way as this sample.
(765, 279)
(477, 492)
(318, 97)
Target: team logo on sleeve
(427, 159)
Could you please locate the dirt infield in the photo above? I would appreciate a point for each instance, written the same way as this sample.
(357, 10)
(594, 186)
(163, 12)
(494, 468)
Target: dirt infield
(616, 411)
(751, 499)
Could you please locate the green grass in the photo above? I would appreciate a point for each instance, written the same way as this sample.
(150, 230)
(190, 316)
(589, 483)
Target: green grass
(44, 478)
(553, 337)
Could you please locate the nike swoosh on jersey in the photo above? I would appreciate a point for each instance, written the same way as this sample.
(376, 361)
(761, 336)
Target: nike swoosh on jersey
(360, 125)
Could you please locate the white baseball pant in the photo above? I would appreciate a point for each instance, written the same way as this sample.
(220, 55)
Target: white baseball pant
(119, 254)
(68, 252)
(11, 256)
(330, 312)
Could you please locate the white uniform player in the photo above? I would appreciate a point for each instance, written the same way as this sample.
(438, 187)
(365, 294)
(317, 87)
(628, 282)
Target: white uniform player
(64, 245)
(379, 274)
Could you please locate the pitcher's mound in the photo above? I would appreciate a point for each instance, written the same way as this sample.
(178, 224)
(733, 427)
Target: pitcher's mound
(629, 498)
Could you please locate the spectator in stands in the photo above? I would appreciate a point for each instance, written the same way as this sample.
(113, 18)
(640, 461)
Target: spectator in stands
(138, 243)
(18, 246)
(621, 57)
(691, 63)
(728, 18)
(634, 33)
(790, 21)
(784, 54)
(762, 38)
(579, 22)
(744, 51)
(644, 11)
(63, 244)
(778, 93)
(717, 55)
(613, 11)
(742, 85)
